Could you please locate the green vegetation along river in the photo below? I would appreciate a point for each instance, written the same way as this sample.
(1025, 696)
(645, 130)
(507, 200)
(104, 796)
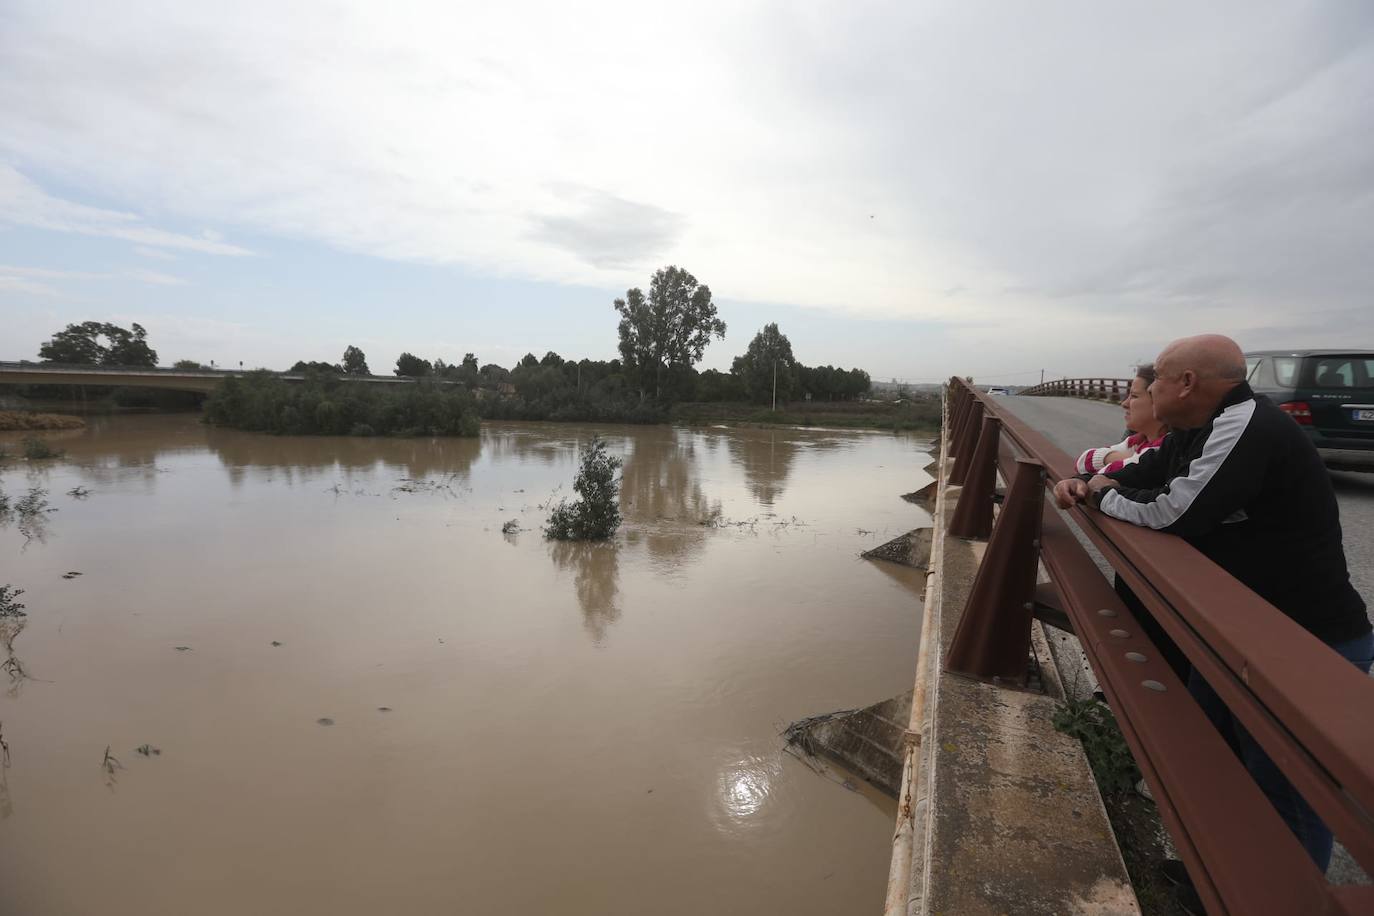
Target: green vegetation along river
(354, 694)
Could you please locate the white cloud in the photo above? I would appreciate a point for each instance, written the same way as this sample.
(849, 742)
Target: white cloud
(154, 277)
(1008, 169)
(24, 203)
(155, 253)
(18, 284)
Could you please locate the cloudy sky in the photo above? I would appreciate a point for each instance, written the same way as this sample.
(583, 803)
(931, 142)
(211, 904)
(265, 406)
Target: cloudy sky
(915, 188)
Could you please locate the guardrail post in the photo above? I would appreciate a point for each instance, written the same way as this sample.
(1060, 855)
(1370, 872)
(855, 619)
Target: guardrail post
(972, 516)
(993, 636)
(959, 409)
(963, 448)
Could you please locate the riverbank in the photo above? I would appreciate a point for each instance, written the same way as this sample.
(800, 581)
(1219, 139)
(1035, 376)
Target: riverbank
(902, 416)
(24, 420)
(917, 415)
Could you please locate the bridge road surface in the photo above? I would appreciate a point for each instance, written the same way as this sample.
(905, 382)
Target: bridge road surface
(1075, 424)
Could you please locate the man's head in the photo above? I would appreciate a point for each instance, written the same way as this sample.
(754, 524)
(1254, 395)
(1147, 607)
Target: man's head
(1193, 375)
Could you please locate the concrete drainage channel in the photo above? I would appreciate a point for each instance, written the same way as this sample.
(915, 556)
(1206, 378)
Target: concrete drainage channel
(997, 811)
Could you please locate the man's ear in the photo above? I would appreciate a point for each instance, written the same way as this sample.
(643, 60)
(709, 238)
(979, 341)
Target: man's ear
(1187, 381)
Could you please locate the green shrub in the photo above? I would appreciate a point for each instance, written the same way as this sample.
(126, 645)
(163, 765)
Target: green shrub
(1093, 724)
(36, 449)
(596, 515)
(329, 406)
(9, 607)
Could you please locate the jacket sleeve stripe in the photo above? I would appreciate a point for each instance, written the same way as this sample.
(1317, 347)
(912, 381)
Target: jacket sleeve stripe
(1170, 505)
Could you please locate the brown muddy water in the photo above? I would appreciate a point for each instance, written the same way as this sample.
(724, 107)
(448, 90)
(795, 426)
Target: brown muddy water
(517, 726)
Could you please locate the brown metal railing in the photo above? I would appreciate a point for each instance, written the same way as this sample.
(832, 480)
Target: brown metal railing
(1311, 711)
(1102, 389)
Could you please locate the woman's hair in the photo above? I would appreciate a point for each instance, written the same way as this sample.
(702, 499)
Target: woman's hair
(1146, 372)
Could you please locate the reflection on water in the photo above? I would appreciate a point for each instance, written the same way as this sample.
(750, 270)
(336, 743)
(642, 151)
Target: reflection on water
(765, 456)
(744, 788)
(237, 589)
(302, 459)
(12, 666)
(595, 568)
(6, 803)
(663, 502)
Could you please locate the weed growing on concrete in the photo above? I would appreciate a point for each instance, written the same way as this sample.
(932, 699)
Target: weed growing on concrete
(1093, 724)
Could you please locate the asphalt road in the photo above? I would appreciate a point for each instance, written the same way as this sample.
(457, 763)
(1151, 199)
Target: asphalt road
(1075, 424)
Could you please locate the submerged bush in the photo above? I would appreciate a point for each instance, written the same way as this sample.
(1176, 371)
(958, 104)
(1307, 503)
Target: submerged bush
(36, 449)
(9, 607)
(325, 406)
(596, 514)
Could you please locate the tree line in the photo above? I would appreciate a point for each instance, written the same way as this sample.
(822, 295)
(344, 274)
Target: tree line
(662, 336)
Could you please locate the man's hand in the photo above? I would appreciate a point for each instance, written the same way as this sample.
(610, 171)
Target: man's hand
(1070, 492)
(1100, 483)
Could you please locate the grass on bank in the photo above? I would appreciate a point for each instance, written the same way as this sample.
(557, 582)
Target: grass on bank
(23, 420)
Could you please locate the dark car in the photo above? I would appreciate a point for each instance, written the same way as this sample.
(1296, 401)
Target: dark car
(1330, 393)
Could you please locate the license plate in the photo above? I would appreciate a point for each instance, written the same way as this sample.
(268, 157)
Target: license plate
(1365, 415)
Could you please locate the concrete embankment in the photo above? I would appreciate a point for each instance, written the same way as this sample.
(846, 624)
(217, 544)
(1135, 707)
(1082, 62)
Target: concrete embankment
(998, 812)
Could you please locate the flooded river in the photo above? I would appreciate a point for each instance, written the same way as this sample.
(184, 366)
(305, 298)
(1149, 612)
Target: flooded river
(365, 698)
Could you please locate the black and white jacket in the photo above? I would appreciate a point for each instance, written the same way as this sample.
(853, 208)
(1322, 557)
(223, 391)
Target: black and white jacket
(1250, 492)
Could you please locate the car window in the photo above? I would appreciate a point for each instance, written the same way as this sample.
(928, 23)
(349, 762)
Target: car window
(1336, 371)
(1286, 370)
(1251, 364)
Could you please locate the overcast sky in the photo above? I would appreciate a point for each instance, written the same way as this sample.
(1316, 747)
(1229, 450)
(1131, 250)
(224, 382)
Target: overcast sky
(913, 188)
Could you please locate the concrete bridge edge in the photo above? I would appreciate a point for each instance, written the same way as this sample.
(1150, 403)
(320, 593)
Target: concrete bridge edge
(1047, 850)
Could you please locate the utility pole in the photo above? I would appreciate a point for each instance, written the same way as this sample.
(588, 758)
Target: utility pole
(1042, 376)
(775, 386)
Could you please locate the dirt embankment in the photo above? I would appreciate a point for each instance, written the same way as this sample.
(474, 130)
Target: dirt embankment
(11, 420)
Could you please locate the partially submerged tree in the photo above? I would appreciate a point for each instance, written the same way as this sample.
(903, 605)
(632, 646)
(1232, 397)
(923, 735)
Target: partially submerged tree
(596, 514)
(669, 328)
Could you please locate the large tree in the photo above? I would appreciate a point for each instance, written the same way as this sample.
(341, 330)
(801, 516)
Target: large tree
(355, 362)
(94, 343)
(669, 328)
(316, 365)
(768, 360)
(411, 366)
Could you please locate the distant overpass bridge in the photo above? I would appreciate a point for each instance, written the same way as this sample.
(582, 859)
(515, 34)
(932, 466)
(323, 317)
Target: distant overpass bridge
(203, 381)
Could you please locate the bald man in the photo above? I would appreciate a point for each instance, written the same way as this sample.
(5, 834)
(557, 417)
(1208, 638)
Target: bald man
(1241, 482)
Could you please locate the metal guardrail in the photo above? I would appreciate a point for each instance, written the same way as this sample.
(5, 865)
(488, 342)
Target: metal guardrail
(1103, 389)
(1310, 711)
